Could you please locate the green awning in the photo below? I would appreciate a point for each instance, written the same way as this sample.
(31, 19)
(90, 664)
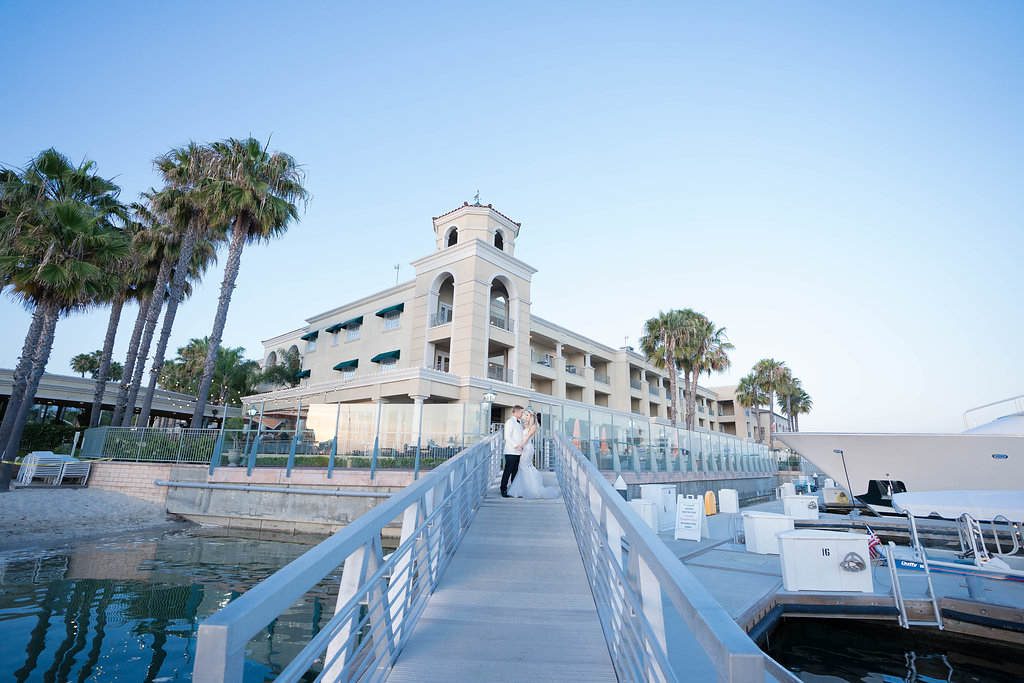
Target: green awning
(347, 364)
(312, 335)
(302, 374)
(341, 326)
(397, 307)
(384, 356)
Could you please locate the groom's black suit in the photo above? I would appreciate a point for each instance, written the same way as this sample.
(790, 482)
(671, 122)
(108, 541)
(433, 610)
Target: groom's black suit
(511, 460)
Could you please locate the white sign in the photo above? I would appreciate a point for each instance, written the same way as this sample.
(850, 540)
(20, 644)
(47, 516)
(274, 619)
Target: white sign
(691, 521)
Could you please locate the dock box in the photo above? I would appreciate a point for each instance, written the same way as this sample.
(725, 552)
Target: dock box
(816, 560)
(801, 507)
(835, 496)
(728, 500)
(760, 529)
(664, 498)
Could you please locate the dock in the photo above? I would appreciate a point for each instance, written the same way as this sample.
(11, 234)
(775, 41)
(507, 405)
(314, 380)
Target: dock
(517, 602)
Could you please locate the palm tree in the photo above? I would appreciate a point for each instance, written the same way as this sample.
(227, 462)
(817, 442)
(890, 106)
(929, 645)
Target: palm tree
(790, 386)
(60, 241)
(705, 349)
(749, 395)
(662, 338)
(85, 362)
(772, 375)
(801, 404)
(285, 372)
(234, 376)
(257, 191)
(184, 201)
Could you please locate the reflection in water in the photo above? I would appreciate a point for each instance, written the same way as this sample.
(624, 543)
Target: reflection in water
(842, 650)
(129, 609)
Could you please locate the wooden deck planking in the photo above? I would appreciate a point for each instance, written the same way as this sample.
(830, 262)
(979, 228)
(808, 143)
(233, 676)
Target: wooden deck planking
(514, 604)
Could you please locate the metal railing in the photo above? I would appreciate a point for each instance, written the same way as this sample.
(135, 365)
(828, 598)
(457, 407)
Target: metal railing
(638, 583)
(442, 317)
(499, 372)
(380, 599)
(151, 444)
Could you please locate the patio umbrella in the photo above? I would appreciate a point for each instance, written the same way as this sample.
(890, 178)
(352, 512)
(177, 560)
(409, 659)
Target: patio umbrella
(576, 433)
(604, 441)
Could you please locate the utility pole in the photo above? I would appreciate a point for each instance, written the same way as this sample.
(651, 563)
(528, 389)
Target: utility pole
(397, 266)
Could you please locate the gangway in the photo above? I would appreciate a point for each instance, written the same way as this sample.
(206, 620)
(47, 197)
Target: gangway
(623, 606)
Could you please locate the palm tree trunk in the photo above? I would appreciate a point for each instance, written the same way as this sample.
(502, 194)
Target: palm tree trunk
(670, 351)
(188, 245)
(18, 384)
(129, 362)
(152, 316)
(686, 398)
(226, 288)
(104, 369)
(692, 399)
(223, 398)
(39, 360)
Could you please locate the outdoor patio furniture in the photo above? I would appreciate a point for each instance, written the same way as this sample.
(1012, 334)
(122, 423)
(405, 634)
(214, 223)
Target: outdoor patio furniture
(44, 465)
(74, 469)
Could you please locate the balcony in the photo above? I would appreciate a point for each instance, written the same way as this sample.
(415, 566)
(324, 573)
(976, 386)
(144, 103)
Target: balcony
(655, 391)
(499, 372)
(601, 377)
(501, 322)
(573, 369)
(545, 359)
(442, 317)
(634, 384)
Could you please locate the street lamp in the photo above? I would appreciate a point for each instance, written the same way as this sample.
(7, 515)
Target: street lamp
(485, 419)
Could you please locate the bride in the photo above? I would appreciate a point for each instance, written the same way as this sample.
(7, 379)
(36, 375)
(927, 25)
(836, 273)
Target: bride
(528, 482)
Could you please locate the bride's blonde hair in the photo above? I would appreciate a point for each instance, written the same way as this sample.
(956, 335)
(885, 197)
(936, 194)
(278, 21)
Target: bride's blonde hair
(529, 417)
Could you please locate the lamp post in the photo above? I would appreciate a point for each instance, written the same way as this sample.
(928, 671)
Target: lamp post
(485, 418)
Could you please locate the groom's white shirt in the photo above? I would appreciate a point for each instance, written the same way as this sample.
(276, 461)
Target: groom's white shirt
(513, 437)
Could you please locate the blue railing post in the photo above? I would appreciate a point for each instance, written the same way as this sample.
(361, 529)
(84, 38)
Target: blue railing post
(334, 443)
(291, 452)
(376, 440)
(217, 448)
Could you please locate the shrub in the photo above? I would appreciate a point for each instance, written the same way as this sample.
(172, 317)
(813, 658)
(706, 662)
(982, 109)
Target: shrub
(46, 437)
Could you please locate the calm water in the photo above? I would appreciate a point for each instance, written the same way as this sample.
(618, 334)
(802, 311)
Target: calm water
(819, 650)
(128, 608)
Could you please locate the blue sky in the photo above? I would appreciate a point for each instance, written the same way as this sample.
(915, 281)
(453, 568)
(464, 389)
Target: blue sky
(838, 184)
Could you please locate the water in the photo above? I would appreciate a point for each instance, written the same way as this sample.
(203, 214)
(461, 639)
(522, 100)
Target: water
(128, 608)
(834, 650)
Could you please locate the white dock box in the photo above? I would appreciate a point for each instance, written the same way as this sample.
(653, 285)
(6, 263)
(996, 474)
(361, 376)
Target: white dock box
(801, 507)
(787, 489)
(830, 483)
(760, 529)
(816, 560)
(728, 500)
(835, 495)
(664, 497)
(648, 512)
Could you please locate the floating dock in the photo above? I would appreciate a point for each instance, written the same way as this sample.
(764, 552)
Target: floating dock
(749, 585)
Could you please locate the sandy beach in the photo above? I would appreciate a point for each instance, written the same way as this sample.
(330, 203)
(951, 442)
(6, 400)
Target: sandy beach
(33, 517)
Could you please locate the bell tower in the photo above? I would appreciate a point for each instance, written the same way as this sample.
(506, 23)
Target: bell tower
(476, 297)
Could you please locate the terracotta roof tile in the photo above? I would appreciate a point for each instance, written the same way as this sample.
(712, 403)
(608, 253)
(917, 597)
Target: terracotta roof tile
(464, 204)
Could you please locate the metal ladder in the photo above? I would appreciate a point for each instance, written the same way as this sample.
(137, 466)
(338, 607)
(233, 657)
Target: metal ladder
(897, 589)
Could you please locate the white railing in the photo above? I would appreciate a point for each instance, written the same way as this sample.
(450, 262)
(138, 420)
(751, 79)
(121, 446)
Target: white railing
(660, 623)
(380, 599)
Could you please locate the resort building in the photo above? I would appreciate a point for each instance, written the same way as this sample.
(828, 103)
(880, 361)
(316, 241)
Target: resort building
(453, 349)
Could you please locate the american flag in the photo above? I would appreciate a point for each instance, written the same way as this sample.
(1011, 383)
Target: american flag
(873, 542)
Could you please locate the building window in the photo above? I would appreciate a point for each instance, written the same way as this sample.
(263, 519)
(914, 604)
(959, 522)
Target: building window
(348, 373)
(499, 241)
(388, 365)
(392, 319)
(311, 345)
(453, 237)
(352, 332)
(334, 338)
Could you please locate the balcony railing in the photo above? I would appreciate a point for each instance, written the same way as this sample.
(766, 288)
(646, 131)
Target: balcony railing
(545, 359)
(634, 383)
(499, 372)
(601, 377)
(655, 391)
(502, 322)
(442, 317)
(573, 369)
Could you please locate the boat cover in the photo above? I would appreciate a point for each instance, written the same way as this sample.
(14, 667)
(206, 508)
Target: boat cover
(981, 505)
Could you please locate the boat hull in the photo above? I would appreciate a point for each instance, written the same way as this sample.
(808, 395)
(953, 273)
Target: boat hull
(922, 462)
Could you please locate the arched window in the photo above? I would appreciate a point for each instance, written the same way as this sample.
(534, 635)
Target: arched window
(453, 237)
(499, 306)
(499, 240)
(272, 359)
(294, 350)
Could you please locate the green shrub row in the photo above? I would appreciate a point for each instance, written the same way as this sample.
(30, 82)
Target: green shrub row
(46, 437)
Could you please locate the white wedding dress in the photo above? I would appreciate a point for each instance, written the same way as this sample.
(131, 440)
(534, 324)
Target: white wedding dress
(528, 482)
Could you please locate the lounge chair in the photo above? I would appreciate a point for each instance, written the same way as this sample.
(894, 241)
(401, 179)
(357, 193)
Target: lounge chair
(75, 469)
(43, 465)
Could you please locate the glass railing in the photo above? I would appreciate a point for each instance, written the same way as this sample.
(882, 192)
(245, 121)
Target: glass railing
(498, 372)
(601, 377)
(655, 391)
(442, 317)
(634, 384)
(545, 359)
(574, 369)
(502, 322)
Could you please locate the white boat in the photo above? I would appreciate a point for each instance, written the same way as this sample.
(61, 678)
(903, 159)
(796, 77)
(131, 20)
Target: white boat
(874, 467)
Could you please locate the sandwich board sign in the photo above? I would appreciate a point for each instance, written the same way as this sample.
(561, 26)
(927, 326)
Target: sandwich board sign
(691, 519)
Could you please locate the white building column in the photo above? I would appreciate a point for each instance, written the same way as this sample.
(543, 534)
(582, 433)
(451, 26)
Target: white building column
(417, 419)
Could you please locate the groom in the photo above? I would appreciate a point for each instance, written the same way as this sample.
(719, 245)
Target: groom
(513, 449)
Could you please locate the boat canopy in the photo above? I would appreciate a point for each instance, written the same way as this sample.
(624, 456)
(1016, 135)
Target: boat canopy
(981, 505)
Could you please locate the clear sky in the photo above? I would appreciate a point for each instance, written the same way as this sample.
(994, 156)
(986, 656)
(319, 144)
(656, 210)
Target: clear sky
(838, 184)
